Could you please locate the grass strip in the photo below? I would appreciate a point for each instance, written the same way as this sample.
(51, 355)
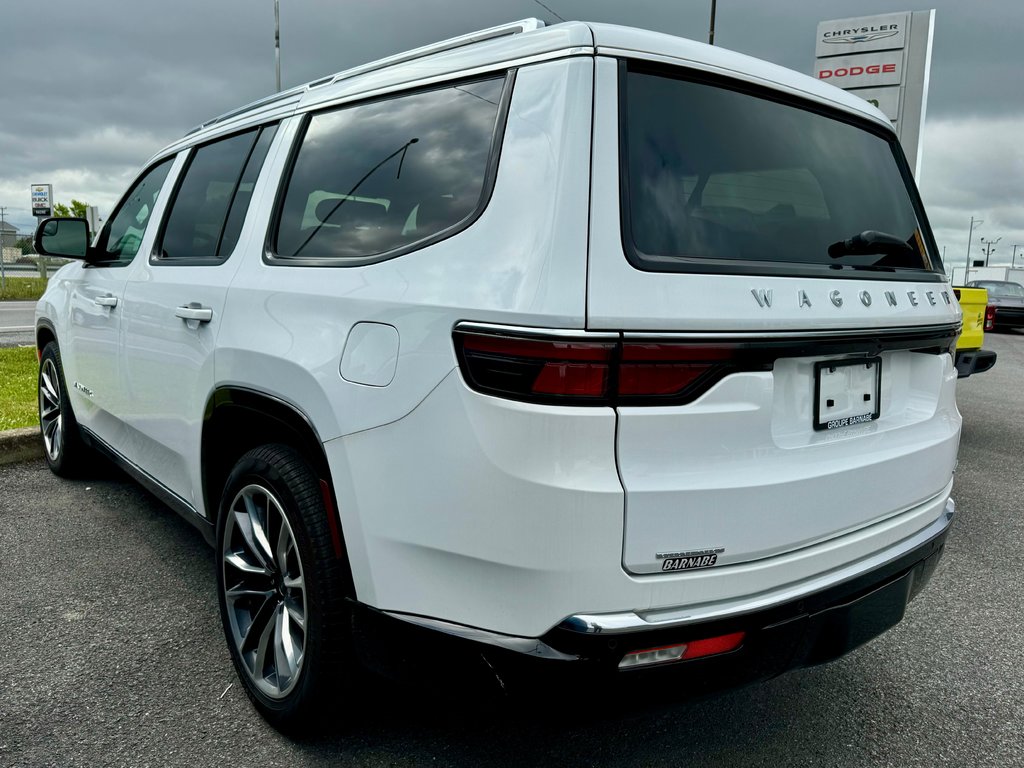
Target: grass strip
(18, 372)
(22, 288)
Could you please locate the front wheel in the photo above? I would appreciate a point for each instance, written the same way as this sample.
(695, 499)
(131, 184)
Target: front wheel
(281, 587)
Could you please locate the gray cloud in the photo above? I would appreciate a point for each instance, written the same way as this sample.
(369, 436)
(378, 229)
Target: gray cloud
(90, 91)
(975, 168)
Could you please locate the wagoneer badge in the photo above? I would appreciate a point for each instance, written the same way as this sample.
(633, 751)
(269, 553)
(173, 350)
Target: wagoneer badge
(684, 561)
(764, 298)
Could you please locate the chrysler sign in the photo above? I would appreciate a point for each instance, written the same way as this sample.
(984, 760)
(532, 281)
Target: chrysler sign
(871, 33)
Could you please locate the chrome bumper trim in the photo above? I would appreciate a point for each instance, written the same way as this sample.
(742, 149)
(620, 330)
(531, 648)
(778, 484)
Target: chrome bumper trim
(530, 646)
(631, 621)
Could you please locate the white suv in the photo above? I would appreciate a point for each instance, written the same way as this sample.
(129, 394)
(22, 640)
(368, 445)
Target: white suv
(581, 342)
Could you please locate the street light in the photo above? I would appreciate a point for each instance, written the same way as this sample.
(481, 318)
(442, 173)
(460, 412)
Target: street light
(1015, 247)
(988, 246)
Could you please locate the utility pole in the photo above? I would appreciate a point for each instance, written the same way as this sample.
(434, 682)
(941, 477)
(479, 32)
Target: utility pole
(3, 275)
(970, 235)
(1014, 262)
(988, 246)
(711, 33)
(277, 41)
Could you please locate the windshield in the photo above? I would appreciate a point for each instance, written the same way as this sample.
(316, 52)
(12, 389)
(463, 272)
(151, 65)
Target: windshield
(998, 288)
(724, 178)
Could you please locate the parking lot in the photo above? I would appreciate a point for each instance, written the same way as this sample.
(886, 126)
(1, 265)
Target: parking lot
(111, 651)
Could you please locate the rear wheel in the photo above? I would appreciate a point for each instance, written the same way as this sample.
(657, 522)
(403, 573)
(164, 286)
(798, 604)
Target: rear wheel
(281, 588)
(65, 452)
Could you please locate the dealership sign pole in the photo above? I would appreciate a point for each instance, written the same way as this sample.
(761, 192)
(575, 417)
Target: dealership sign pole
(885, 60)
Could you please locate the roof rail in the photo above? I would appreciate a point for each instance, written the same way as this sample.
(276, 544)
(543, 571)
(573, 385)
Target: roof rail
(503, 30)
(293, 93)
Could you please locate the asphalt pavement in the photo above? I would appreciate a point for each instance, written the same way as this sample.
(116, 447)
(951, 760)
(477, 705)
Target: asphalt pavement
(17, 321)
(111, 651)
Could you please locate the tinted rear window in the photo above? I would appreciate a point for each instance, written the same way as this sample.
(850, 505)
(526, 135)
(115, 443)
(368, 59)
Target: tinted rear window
(716, 178)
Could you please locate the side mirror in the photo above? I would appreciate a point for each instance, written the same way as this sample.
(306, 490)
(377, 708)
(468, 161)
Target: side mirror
(63, 238)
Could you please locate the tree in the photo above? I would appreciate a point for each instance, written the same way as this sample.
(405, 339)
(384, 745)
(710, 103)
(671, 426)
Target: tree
(25, 244)
(75, 211)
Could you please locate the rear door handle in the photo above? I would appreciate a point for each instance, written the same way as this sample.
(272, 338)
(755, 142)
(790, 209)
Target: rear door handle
(194, 311)
(106, 301)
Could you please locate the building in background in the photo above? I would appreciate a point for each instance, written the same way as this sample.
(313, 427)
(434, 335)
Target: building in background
(10, 252)
(9, 235)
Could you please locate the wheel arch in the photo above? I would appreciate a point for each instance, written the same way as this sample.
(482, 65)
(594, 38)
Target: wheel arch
(238, 419)
(44, 335)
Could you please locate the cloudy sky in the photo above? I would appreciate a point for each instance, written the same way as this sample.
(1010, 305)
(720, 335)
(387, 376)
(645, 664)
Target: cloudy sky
(89, 90)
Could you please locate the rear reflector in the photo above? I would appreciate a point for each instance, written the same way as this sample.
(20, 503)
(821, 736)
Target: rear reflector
(695, 649)
(714, 645)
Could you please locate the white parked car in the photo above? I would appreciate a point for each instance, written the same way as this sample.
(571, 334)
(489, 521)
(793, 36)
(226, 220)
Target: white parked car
(578, 342)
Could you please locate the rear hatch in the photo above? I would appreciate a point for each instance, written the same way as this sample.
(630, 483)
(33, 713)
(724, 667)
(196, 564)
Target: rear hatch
(785, 321)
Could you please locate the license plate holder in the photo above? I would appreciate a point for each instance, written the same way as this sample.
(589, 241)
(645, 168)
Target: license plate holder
(847, 392)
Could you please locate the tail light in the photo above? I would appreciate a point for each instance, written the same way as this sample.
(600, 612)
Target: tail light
(610, 369)
(990, 317)
(601, 372)
(539, 370)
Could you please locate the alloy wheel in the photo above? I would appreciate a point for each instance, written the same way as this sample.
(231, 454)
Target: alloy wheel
(51, 420)
(264, 591)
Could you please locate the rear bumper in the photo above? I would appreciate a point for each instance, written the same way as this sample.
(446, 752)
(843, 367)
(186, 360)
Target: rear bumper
(1008, 317)
(810, 629)
(970, 361)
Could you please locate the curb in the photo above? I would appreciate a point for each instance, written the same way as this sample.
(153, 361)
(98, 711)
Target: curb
(20, 445)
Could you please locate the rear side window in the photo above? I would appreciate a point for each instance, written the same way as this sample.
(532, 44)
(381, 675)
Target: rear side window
(212, 198)
(716, 178)
(374, 180)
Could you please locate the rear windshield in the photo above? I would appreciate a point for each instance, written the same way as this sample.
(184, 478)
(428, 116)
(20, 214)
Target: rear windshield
(1008, 290)
(719, 179)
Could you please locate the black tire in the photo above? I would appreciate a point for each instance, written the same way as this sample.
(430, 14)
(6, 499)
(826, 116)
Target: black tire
(63, 448)
(274, 489)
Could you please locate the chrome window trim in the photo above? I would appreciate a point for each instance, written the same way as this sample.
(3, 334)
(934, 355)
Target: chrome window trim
(470, 326)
